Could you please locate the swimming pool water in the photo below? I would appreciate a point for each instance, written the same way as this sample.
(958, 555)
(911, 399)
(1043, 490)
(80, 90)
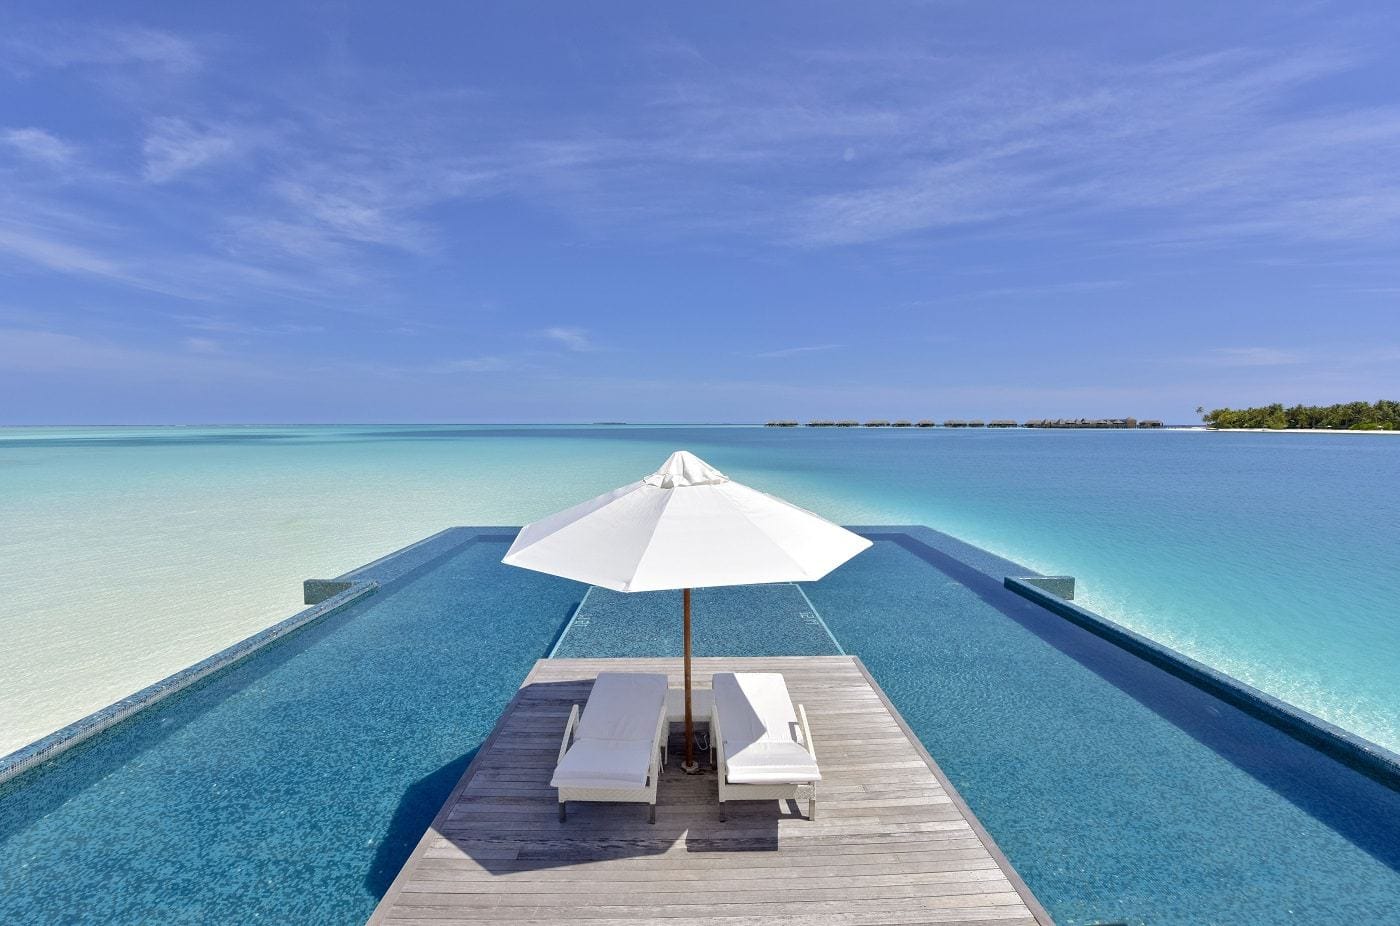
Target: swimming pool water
(291, 787)
(1119, 792)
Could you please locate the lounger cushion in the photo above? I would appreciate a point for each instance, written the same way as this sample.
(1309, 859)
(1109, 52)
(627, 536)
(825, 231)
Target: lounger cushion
(762, 736)
(767, 762)
(613, 741)
(754, 706)
(604, 764)
(623, 706)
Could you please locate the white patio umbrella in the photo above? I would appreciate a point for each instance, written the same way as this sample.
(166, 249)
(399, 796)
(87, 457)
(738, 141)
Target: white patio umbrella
(685, 526)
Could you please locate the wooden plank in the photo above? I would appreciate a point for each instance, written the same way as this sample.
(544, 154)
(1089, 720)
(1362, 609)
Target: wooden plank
(893, 845)
(650, 911)
(1002, 916)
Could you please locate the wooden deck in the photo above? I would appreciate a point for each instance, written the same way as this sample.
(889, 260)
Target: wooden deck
(893, 843)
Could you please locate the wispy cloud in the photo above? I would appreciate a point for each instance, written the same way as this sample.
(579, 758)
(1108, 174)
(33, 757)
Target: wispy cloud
(478, 365)
(1249, 357)
(64, 45)
(1315, 359)
(202, 345)
(794, 351)
(65, 246)
(1031, 291)
(36, 249)
(871, 146)
(227, 326)
(1211, 138)
(574, 339)
(48, 352)
(39, 145)
(174, 146)
(328, 186)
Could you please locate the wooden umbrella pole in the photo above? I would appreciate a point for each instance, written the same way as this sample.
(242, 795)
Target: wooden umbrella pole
(690, 766)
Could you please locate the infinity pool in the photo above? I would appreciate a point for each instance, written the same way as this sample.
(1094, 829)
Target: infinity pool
(291, 787)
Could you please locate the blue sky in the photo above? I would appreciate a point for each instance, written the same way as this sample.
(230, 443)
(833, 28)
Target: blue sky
(719, 212)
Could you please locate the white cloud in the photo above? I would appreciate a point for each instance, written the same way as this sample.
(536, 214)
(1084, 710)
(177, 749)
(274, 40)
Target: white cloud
(174, 147)
(1318, 359)
(574, 339)
(1213, 143)
(1033, 291)
(93, 44)
(477, 365)
(32, 351)
(793, 351)
(321, 207)
(358, 171)
(35, 144)
(35, 248)
(1250, 357)
(40, 351)
(202, 345)
(214, 324)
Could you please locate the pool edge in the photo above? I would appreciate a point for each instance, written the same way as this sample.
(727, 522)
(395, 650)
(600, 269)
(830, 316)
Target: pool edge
(384, 570)
(1354, 751)
(61, 740)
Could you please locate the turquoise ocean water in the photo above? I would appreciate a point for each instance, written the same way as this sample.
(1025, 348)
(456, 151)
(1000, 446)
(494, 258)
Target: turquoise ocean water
(126, 554)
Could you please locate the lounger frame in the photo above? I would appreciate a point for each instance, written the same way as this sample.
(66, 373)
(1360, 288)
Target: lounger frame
(769, 791)
(646, 794)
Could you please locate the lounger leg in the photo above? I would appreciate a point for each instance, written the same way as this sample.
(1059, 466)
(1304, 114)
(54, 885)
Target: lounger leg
(721, 811)
(812, 808)
(561, 812)
(651, 816)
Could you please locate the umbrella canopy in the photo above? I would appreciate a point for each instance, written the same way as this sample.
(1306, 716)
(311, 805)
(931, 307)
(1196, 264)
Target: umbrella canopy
(685, 526)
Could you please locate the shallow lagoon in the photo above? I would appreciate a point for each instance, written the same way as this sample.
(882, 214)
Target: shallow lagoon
(127, 554)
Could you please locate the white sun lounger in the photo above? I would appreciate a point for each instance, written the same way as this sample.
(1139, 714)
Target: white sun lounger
(614, 751)
(763, 748)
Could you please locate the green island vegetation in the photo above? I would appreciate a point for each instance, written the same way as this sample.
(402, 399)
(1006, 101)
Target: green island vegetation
(1347, 416)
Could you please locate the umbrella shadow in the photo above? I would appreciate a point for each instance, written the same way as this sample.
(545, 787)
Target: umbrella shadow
(414, 812)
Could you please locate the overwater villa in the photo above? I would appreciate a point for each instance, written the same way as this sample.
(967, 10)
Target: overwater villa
(687, 699)
(1076, 423)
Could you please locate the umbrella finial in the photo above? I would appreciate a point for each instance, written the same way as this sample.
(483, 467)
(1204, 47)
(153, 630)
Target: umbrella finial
(683, 469)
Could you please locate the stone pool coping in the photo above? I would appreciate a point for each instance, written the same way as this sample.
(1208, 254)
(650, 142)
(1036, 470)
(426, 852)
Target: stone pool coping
(65, 738)
(1355, 752)
(346, 589)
